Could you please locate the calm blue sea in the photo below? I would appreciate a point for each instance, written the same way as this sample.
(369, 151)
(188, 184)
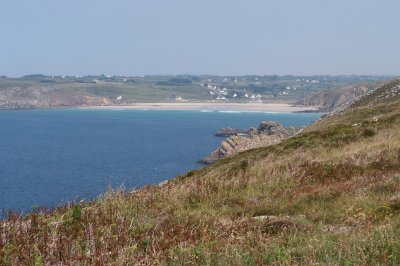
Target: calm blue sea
(49, 157)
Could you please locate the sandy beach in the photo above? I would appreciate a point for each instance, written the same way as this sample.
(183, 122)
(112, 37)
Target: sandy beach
(212, 106)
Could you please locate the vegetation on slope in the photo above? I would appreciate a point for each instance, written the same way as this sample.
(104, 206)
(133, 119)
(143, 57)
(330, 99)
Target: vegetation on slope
(330, 195)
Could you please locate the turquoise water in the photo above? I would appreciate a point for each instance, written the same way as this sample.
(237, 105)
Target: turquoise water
(49, 157)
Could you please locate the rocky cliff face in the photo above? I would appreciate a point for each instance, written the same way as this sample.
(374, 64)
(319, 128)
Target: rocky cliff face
(328, 100)
(40, 97)
(268, 133)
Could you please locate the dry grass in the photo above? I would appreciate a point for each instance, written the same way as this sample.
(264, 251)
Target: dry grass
(328, 196)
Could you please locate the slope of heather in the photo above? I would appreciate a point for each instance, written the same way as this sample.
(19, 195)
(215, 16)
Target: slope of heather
(330, 195)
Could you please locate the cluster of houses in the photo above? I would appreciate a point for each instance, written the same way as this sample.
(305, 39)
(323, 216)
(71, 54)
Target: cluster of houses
(219, 93)
(222, 93)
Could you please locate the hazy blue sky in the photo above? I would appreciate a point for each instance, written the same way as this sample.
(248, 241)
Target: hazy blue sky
(224, 37)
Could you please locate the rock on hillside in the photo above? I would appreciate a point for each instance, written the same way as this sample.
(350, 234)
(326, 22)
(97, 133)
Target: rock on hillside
(268, 133)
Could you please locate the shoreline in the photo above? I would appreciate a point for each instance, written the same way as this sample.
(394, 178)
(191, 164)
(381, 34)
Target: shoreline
(254, 107)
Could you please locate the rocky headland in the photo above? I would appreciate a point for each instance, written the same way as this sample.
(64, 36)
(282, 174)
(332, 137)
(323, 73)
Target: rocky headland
(42, 97)
(268, 133)
(331, 99)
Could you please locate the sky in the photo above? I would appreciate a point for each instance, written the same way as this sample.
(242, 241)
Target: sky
(221, 37)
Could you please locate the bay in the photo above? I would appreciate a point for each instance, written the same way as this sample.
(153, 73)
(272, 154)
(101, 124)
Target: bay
(51, 156)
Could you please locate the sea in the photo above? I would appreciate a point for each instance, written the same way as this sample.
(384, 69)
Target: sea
(49, 157)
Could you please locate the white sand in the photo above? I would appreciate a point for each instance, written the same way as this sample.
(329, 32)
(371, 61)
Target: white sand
(211, 106)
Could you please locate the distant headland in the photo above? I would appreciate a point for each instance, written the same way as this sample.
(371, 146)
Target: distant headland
(269, 93)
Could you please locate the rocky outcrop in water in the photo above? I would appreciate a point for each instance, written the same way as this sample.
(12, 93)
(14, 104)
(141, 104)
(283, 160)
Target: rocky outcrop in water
(228, 131)
(268, 133)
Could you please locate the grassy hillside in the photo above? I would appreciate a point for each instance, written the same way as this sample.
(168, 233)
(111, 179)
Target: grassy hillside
(330, 195)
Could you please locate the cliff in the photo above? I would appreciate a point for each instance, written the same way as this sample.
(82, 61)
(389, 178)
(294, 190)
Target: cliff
(268, 133)
(41, 97)
(329, 100)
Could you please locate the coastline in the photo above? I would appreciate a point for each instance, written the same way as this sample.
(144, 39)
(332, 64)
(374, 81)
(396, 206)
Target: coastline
(211, 106)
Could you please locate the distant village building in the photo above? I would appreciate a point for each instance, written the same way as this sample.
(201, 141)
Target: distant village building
(174, 98)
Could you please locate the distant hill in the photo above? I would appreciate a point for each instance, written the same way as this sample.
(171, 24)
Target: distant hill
(41, 91)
